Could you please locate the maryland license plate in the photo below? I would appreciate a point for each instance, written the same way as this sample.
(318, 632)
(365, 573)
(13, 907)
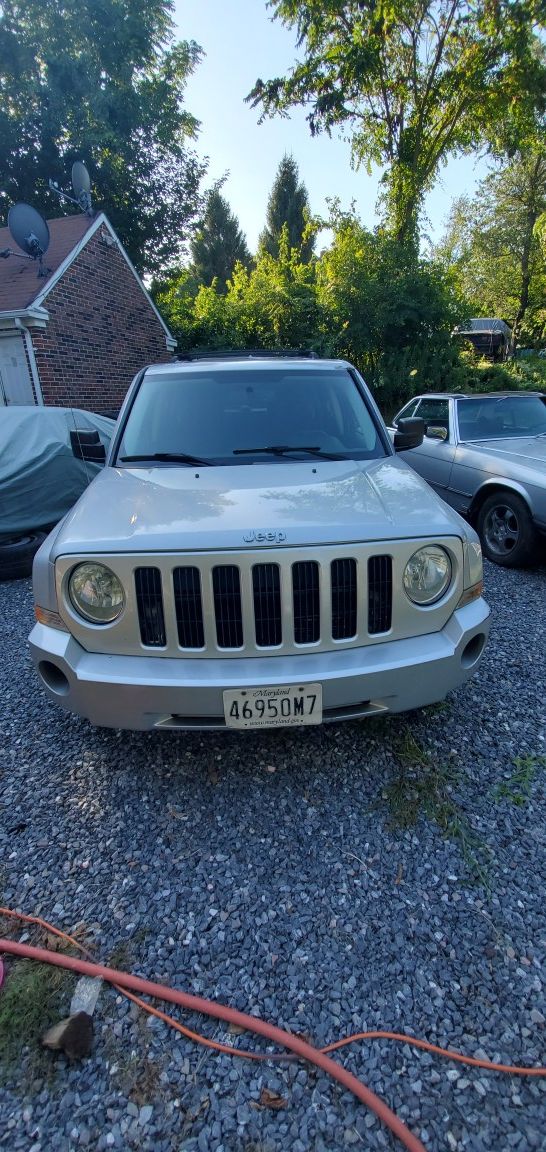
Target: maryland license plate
(273, 707)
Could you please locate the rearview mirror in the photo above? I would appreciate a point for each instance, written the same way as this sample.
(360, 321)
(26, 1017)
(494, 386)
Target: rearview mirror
(87, 445)
(409, 433)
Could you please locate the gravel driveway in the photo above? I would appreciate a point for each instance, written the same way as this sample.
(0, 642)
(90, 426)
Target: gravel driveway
(274, 872)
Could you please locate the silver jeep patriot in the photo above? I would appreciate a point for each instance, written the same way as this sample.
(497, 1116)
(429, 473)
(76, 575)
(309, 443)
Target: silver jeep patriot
(254, 554)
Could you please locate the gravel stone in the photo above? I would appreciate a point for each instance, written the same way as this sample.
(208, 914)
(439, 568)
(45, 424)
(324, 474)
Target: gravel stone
(265, 870)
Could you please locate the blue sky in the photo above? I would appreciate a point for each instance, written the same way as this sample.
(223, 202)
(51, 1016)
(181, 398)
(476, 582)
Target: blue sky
(241, 44)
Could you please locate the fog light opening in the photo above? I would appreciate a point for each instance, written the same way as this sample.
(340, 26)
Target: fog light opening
(472, 652)
(52, 676)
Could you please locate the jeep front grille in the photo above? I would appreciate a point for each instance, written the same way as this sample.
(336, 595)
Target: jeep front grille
(246, 603)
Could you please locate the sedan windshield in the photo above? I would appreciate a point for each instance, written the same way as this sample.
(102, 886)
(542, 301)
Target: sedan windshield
(246, 415)
(499, 417)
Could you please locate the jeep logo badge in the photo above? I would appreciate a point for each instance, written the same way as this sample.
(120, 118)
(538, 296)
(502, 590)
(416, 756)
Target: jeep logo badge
(270, 537)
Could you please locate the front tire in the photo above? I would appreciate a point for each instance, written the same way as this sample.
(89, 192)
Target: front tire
(506, 530)
(17, 554)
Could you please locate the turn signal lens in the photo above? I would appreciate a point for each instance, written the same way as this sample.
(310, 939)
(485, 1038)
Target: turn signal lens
(52, 619)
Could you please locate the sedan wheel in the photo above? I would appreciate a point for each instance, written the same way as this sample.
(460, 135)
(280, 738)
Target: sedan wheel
(506, 529)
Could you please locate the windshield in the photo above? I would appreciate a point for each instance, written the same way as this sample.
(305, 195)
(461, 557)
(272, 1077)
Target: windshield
(499, 417)
(249, 415)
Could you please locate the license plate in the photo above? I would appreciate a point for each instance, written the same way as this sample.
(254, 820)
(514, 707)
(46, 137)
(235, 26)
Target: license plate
(273, 707)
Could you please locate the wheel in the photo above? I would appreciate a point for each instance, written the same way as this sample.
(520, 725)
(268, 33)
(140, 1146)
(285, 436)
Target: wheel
(17, 554)
(506, 530)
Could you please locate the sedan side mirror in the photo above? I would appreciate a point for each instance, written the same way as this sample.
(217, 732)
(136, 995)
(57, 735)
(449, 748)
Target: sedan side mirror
(87, 445)
(436, 432)
(409, 433)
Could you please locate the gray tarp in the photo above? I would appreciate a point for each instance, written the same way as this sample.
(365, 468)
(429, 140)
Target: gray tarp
(40, 478)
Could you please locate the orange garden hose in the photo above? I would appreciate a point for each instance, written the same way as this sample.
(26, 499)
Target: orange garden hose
(124, 982)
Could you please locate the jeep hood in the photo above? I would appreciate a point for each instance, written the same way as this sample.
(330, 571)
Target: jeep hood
(160, 509)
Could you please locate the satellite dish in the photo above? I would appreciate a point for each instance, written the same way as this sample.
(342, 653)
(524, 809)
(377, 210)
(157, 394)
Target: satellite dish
(81, 185)
(80, 179)
(29, 230)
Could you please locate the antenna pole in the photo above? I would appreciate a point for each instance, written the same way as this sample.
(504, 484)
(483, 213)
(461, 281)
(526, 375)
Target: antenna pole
(83, 199)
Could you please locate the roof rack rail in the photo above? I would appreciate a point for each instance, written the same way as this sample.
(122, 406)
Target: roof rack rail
(247, 353)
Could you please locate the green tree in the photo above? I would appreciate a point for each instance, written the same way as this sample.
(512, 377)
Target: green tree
(413, 81)
(388, 311)
(273, 304)
(219, 244)
(288, 206)
(103, 82)
(493, 245)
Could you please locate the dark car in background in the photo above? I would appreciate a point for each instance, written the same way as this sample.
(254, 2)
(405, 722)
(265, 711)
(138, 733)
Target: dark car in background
(47, 458)
(489, 337)
(485, 454)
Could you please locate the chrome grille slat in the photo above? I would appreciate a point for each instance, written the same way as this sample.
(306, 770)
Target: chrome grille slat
(150, 607)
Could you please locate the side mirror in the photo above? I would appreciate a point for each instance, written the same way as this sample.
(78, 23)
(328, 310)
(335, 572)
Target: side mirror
(409, 433)
(436, 432)
(87, 446)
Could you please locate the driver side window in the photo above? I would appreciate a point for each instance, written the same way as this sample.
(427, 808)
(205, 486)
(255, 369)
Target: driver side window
(435, 413)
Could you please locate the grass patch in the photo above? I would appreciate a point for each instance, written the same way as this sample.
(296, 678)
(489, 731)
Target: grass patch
(423, 788)
(31, 1000)
(518, 786)
(137, 1070)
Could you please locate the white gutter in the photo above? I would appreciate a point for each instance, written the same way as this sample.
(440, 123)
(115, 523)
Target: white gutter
(32, 359)
(33, 316)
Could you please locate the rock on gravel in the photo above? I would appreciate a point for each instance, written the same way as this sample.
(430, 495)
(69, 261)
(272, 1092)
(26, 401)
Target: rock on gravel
(265, 871)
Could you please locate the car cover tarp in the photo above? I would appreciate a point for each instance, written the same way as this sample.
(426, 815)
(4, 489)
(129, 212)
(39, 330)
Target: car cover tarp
(40, 478)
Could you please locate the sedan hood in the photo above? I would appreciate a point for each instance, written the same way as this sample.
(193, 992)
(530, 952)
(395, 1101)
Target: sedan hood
(525, 451)
(172, 508)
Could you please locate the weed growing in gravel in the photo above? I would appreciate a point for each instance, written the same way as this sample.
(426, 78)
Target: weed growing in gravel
(32, 999)
(422, 787)
(138, 1074)
(518, 786)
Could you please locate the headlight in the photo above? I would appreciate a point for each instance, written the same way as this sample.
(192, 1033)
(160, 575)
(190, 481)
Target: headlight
(427, 574)
(96, 593)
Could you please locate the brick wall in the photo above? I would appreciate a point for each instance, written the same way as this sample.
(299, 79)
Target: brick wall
(101, 331)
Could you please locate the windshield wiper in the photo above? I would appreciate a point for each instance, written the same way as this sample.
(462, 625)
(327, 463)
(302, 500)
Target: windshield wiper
(281, 449)
(165, 457)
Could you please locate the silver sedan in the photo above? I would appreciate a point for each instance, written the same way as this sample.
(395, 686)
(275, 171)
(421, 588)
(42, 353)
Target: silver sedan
(486, 456)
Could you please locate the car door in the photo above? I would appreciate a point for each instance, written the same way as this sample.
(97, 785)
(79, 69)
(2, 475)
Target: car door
(434, 458)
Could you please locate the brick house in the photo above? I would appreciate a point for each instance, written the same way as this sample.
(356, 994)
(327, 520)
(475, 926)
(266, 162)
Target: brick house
(77, 336)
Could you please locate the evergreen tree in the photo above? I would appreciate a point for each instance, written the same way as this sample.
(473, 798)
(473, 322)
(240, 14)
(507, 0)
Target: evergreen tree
(288, 205)
(219, 244)
(101, 82)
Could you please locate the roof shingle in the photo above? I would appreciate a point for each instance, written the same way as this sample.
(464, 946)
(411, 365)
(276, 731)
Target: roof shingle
(19, 282)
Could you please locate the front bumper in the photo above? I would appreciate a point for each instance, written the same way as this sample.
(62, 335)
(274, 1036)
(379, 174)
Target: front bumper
(143, 692)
